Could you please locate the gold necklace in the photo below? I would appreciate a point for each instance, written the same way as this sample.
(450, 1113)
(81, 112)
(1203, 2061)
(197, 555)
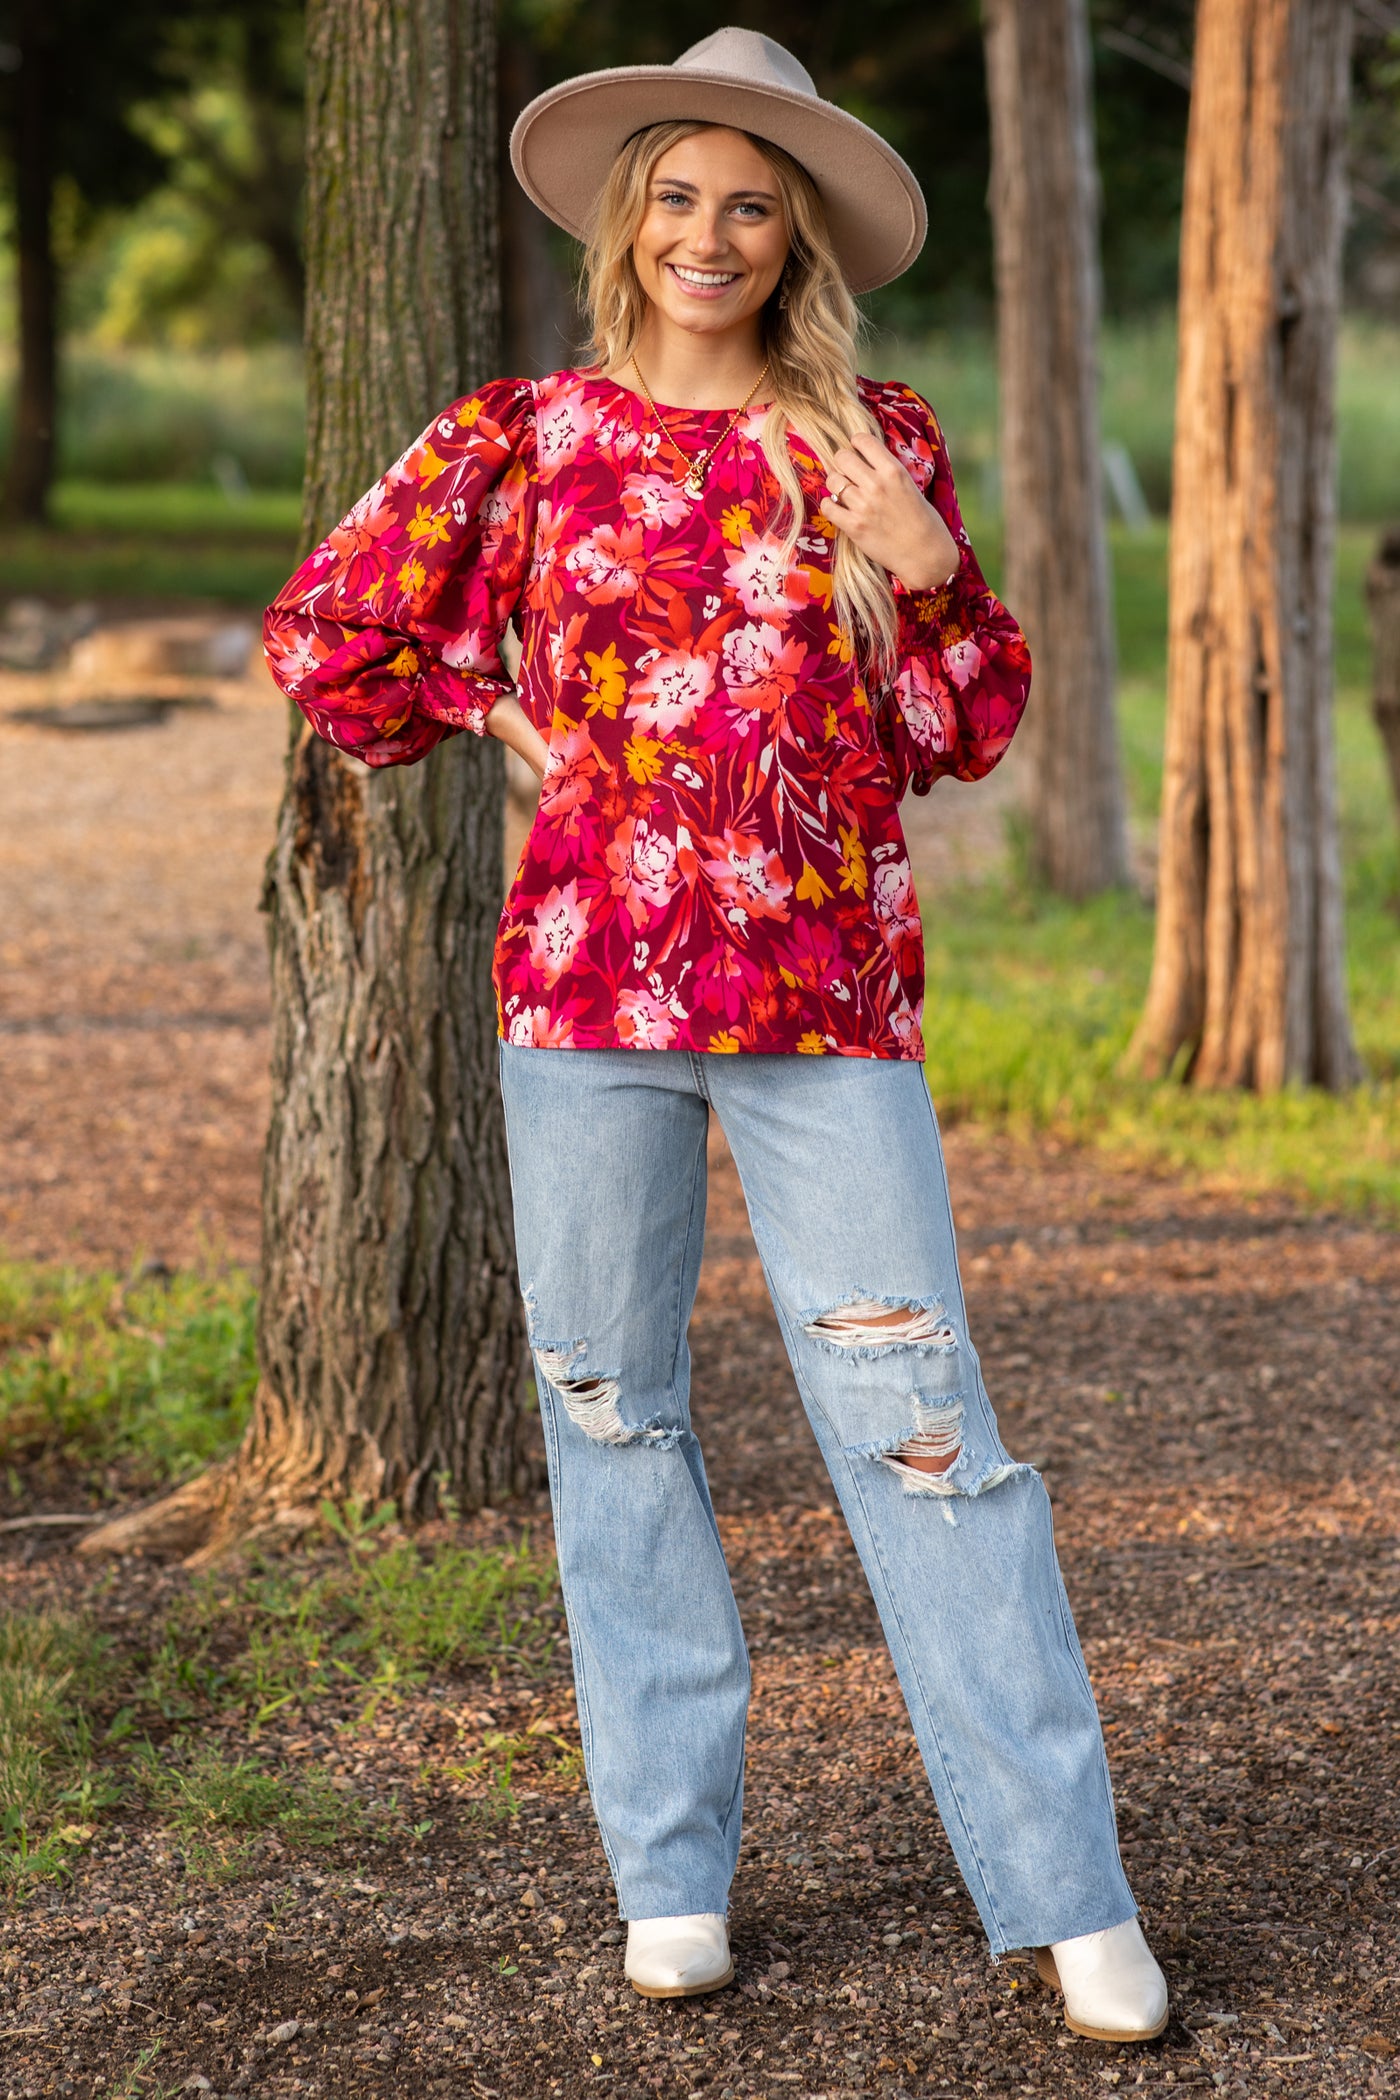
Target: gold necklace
(694, 483)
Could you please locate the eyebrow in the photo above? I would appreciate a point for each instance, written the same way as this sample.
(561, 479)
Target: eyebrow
(678, 182)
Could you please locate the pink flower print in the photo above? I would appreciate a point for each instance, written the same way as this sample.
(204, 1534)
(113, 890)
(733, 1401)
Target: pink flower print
(927, 707)
(563, 419)
(811, 956)
(569, 774)
(473, 651)
(643, 864)
(749, 878)
(535, 1029)
(725, 981)
(655, 500)
(761, 669)
(560, 924)
(644, 1022)
(764, 581)
(608, 563)
(903, 1023)
(962, 661)
(896, 907)
(675, 685)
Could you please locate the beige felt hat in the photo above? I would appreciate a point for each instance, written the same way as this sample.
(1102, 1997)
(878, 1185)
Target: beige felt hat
(564, 143)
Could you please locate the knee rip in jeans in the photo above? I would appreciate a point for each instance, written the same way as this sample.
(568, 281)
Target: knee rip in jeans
(593, 1402)
(926, 1455)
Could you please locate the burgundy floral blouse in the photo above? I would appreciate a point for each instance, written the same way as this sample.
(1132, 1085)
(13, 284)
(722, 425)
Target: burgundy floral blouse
(717, 862)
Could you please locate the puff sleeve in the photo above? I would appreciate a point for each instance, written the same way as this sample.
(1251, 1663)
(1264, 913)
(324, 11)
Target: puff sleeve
(962, 669)
(388, 635)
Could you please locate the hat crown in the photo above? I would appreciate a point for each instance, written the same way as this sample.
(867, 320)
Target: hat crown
(747, 56)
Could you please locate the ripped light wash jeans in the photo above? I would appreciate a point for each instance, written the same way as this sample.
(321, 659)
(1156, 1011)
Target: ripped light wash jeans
(843, 1174)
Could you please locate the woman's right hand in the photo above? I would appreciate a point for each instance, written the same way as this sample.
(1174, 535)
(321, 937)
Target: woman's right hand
(509, 723)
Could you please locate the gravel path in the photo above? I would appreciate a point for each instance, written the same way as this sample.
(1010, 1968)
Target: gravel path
(1209, 1383)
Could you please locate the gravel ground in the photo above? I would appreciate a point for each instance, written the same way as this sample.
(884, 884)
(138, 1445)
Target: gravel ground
(1208, 1381)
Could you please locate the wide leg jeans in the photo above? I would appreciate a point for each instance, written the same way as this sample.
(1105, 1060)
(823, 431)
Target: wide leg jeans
(843, 1174)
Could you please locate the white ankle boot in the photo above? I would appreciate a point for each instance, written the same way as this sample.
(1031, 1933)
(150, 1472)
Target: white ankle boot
(1113, 1989)
(678, 1957)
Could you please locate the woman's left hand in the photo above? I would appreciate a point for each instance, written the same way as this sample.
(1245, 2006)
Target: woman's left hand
(880, 505)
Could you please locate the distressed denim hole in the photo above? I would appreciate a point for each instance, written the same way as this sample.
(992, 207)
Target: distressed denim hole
(594, 1405)
(936, 1442)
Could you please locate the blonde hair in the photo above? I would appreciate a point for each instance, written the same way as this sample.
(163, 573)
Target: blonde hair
(809, 338)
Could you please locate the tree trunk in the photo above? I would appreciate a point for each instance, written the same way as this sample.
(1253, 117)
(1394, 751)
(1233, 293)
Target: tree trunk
(1247, 976)
(390, 1336)
(29, 475)
(1044, 202)
(1383, 598)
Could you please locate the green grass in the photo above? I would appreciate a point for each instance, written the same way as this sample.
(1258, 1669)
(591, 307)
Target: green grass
(51, 1671)
(217, 1805)
(380, 1617)
(155, 1375)
(169, 1723)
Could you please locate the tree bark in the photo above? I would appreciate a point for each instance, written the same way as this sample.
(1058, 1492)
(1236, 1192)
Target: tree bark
(29, 474)
(1247, 983)
(1044, 203)
(390, 1336)
(1383, 599)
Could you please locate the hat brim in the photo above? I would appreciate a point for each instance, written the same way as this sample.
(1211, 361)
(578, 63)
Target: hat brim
(564, 143)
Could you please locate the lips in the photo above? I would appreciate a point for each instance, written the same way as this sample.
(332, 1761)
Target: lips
(703, 284)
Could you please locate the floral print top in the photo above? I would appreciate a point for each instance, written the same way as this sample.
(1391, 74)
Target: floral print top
(717, 862)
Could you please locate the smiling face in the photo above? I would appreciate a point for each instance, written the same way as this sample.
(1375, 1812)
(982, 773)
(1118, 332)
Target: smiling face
(713, 238)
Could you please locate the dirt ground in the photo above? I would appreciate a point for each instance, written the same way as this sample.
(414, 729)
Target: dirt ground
(1209, 1383)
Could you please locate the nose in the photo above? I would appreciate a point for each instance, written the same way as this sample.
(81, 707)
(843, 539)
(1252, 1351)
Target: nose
(706, 237)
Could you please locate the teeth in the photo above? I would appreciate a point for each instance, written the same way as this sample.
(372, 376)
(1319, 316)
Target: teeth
(704, 278)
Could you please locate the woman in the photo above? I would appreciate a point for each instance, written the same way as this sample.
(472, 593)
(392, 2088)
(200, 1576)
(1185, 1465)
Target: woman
(750, 619)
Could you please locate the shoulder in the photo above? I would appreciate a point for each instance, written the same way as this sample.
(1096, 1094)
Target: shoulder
(500, 414)
(897, 407)
(908, 426)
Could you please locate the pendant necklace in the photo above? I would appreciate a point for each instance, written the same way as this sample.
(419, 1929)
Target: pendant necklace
(698, 468)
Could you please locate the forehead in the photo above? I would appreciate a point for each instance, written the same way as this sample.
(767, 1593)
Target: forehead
(717, 160)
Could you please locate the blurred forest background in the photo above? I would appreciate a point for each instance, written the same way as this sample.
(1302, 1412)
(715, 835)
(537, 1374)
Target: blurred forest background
(177, 162)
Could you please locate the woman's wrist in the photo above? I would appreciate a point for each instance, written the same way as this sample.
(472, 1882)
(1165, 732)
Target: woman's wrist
(507, 721)
(931, 569)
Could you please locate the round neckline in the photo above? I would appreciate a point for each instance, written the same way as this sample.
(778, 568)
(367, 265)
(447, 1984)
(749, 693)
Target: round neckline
(666, 408)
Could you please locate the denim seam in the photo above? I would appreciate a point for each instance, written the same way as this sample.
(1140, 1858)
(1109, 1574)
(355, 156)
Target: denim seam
(1071, 1642)
(1000, 1943)
(585, 1716)
(695, 1173)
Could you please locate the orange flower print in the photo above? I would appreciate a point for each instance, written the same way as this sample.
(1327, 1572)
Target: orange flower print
(761, 667)
(569, 774)
(609, 675)
(746, 877)
(642, 759)
(608, 562)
